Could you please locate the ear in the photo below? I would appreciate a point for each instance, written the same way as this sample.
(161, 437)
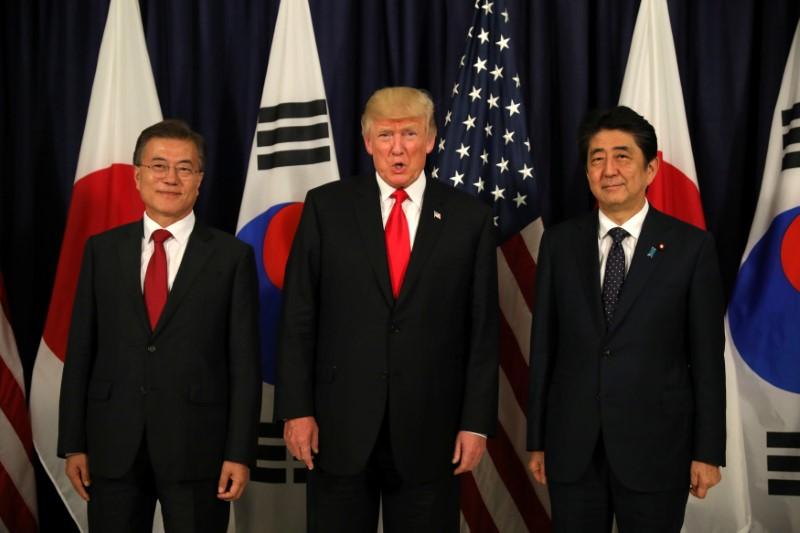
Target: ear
(368, 144)
(137, 178)
(652, 169)
(431, 144)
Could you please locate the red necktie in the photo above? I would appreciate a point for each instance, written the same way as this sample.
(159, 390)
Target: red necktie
(155, 277)
(398, 243)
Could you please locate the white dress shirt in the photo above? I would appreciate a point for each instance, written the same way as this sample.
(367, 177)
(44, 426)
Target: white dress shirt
(634, 228)
(174, 247)
(411, 207)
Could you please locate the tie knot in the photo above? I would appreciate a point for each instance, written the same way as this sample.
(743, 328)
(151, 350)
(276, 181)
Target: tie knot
(160, 235)
(618, 234)
(400, 196)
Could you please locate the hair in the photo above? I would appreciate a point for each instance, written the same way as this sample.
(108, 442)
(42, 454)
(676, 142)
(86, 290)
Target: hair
(170, 129)
(398, 103)
(618, 118)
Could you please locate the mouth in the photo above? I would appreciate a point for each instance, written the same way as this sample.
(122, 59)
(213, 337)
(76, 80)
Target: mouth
(398, 167)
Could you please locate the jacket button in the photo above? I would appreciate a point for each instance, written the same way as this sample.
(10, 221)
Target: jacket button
(393, 328)
(606, 353)
(143, 389)
(151, 348)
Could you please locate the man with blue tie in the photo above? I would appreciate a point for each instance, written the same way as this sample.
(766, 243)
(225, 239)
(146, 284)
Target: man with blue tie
(626, 413)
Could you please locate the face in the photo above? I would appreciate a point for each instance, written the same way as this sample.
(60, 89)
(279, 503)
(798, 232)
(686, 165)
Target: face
(618, 174)
(168, 198)
(398, 148)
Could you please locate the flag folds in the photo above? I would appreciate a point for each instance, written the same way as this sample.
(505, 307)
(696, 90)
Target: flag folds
(652, 88)
(762, 321)
(124, 101)
(17, 480)
(484, 150)
(292, 152)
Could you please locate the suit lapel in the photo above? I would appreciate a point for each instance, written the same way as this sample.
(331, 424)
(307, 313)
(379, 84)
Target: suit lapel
(129, 249)
(198, 251)
(644, 263)
(587, 257)
(368, 213)
(428, 231)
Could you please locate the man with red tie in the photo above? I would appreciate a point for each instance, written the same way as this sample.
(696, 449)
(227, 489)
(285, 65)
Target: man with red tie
(387, 355)
(160, 395)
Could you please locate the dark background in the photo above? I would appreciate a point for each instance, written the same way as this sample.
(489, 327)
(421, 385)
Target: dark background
(209, 59)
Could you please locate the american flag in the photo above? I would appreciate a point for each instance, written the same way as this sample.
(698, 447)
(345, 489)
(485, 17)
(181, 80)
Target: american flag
(17, 480)
(485, 150)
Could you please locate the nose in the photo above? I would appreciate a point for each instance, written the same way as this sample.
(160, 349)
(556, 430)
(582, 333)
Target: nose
(172, 175)
(397, 145)
(610, 167)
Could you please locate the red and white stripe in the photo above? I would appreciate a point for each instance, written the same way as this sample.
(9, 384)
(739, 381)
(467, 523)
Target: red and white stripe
(17, 478)
(652, 88)
(124, 101)
(501, 495)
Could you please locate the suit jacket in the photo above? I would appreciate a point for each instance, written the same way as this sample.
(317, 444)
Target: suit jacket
(653, 384)
(191, 388)
(347, 349)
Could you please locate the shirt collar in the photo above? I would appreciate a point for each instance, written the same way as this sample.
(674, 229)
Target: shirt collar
(180, 230)
(633, 225)
(415, 191)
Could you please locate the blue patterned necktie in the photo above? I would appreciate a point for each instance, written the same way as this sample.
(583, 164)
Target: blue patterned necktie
(615, 273)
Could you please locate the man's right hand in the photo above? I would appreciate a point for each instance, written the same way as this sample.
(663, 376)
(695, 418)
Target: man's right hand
(536, 466)
(302, 438)
(77, 468)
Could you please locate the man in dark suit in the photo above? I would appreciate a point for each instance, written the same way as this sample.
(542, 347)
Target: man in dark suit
(387, 358)
(160, 395)
(627, 392)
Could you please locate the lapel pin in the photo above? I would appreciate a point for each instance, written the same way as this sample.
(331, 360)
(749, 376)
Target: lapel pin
(651, 253)
(437, 215)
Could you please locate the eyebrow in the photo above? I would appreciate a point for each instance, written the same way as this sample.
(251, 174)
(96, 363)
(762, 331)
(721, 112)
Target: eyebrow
(623, 148)
(159, 158)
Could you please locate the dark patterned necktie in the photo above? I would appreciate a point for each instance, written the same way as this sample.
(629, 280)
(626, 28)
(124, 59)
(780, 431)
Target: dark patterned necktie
(615, 273)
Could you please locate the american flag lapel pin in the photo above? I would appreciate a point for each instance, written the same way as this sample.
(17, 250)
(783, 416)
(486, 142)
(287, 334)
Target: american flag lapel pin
(437, 215)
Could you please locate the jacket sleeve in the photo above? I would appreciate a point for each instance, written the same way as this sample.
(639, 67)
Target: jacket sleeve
(543, 334)
(706, 345)
(294, 387)
(479, 410)
(244, 367)
(81, 346)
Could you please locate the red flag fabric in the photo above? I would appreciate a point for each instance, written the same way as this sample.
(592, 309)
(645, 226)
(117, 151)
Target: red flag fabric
(652, 87)
(17, 479)
(123, 102)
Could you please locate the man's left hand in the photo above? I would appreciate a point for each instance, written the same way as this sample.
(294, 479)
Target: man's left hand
(468, 451)
(238, 475)
(703, 476)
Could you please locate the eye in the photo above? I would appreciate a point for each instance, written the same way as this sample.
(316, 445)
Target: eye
(159, 168)
(184, 171)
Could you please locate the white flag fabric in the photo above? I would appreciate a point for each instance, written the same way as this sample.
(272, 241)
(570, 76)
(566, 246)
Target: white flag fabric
(123, 102)
(292, 152)
(763, 319)
(652, 87)
(17, 480)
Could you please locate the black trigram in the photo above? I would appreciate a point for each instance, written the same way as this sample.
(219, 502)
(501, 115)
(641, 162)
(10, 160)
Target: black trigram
(783, 463)
(791, 159)
(274, 464)
(304, 123)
